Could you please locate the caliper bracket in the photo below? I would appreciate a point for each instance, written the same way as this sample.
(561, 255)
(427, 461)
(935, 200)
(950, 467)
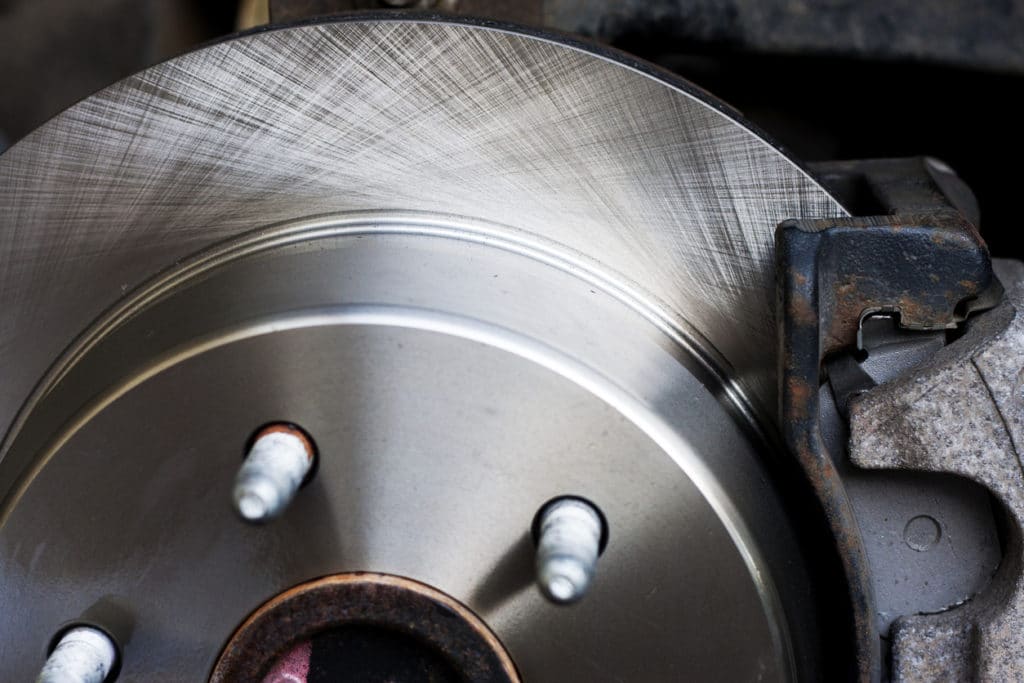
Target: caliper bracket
(925, 262)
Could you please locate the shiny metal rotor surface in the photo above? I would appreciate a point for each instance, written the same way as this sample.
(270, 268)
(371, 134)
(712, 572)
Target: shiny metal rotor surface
(482, 268)
(454, 380)
(663, 189)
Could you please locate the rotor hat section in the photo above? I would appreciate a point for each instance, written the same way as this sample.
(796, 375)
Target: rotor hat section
(445, 414)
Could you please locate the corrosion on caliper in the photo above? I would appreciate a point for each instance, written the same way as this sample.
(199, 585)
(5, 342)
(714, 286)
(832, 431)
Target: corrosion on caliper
(921, 259)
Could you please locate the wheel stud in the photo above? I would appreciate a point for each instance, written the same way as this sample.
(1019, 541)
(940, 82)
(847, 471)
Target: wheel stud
(278, 462)
(83, 655)
(570, 532)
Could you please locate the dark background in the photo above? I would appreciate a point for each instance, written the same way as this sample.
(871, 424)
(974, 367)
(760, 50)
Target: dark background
(828, 79)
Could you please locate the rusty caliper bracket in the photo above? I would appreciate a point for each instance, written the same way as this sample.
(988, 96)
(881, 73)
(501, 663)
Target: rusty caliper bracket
(919, 258)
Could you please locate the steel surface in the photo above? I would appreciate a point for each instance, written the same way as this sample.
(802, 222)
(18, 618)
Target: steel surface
(657, 185)
(536, 271)
(453, 382)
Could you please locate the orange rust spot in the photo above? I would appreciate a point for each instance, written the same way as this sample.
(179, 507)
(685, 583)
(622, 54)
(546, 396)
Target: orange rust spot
(969, 285)
(801, 311)
(798, 396)
(284, 428)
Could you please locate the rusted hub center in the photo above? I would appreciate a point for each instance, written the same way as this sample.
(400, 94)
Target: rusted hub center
(362, 626)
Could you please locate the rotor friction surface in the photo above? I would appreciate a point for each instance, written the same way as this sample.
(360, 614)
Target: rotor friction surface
(613, 166)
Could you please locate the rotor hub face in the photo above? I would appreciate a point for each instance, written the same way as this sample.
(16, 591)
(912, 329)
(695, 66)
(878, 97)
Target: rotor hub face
(566, 333)
(445, 413)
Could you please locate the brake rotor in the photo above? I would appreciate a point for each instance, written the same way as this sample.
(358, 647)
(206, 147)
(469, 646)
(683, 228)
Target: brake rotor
(480, 268)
